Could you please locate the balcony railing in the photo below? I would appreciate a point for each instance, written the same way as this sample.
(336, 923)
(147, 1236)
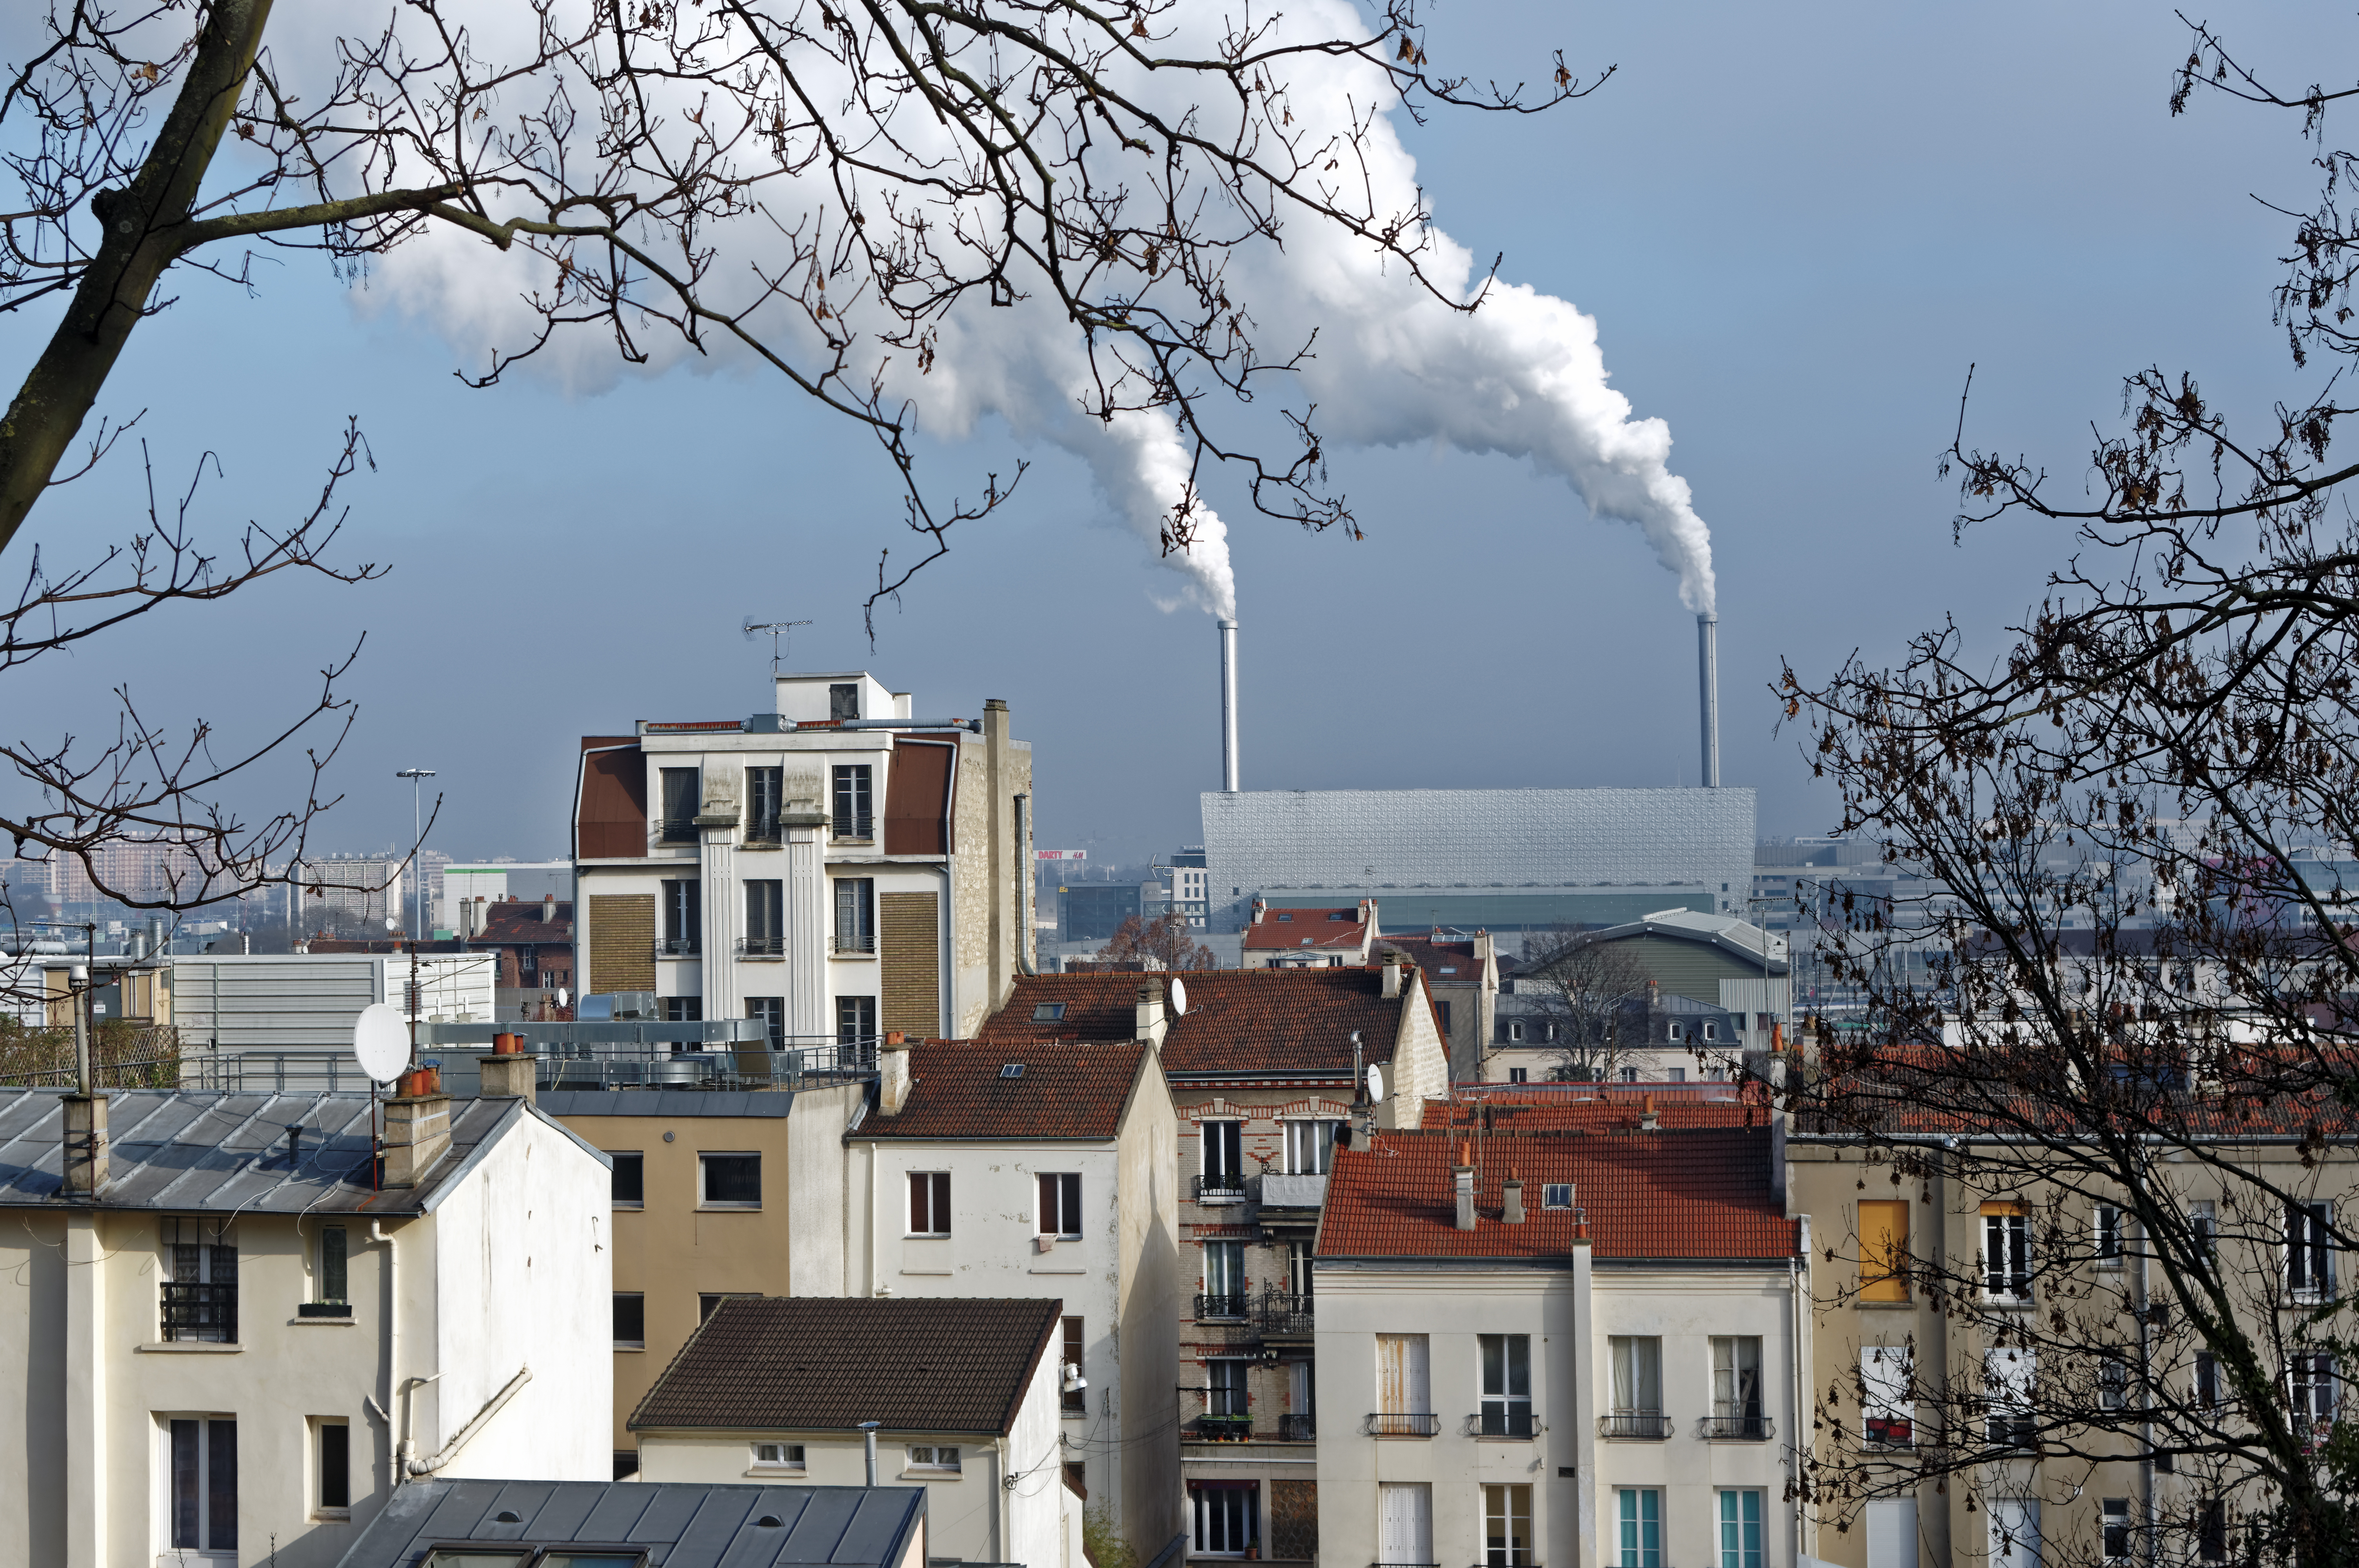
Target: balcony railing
(1298, 1429)
(1282, 1312)
(1402, 1423)
(1223, 1429)
(1280, 1191)
(855, 941)
(762, 947)
(678, 947)
(762, 828)
(1221, 1187)
(675, 830)
(1503, 1423)
(1221, 1307)
(1736, 1429)
(849, 826)
(1644, 1426)
(202, 1313)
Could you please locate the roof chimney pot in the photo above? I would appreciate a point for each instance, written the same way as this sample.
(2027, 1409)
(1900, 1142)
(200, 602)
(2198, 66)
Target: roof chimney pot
(893, 1074)
(1153, 1022)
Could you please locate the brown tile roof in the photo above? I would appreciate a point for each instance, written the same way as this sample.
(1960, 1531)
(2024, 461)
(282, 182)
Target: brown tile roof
(1433, 958)
(1695, 1195)
(518, 920)
(1293, 929)
(1238, 1020)
(1602, 1109)
(1066, 1090)
(820, 1364)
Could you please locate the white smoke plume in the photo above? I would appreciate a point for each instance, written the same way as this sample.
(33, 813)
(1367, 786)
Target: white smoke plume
(1522, 376)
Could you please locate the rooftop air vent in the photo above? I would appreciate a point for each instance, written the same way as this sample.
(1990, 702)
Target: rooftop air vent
(1048, 1013)
(1012, 1070)
(507, 1515)
(769, 1522)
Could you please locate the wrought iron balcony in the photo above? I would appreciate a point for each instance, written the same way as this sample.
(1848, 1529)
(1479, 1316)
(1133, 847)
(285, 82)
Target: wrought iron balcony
(207, 1313)
(762, 828)
(1223, 1429)
(1298, 1429)
(762, 947)
(1402, 1423)
(849, 826)
(1221, 1307)
(855, 941)
(675, 830)
(1753, 1427)
(1221, 1187)
(1282, 1312)
(1517, 1421)
(1644, 1426)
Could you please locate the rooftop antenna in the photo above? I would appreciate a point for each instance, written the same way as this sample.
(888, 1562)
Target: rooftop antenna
(776, 629)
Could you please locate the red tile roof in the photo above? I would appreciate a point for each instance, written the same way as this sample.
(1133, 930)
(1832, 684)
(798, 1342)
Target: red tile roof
(1067, 1090)
(518, 920)
(1316, 929)
(1694, 1194)
(1237, 1021)
(1601, 1111)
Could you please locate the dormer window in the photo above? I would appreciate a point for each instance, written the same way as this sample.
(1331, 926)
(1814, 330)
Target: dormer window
(1049, 1012)
(1286, 917)
(1012, 1070)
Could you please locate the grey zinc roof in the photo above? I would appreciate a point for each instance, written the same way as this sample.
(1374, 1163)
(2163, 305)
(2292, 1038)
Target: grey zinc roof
(678, 1524)
(209, 1152)
(666, 1102)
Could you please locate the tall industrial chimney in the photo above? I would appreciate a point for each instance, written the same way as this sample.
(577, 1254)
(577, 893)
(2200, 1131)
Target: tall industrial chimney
(1708, 681)
(1229, 706)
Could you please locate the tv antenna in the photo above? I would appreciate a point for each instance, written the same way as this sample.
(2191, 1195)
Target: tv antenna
(776, 629)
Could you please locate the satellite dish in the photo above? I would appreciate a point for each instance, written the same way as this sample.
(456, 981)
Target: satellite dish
(381, 1042)
(1375, 1082)
(1179, 997)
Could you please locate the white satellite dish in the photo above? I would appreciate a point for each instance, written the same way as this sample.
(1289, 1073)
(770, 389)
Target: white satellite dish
(1375, 1082)
(1179, 997)
(381, 1042)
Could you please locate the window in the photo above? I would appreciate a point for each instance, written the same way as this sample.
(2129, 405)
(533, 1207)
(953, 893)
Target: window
(683, 917)
(1309, 1147)
(1061, 1204)
(1506, 1384)
(855, 1020)
(1507, 1527)
(1888, 1395)
(1515, 1029)
(852, 818)
(1298, 1276)
(1049, 1012)
(1518, 1075)
(332, 1449)
(1710, 1029)
(730, 1180)
(764, 798)
(1672, 1032)
(2014, 1532)
(201, 1296)
(1883, 1250)
(771, 1013)
(765, 918)
(927, 1456)
(1740, 1529)
(777, 1456)
(2116, 1513)
(1011, 1070)
(2309, 1266)
(843, 702)
(1736, 1386)
(628, 1185)
(2207, 1381)
(856, 922)
(2006, 1252)
(203, 1478)
(1556, 1195)
(1445, 1016)
(2203, 1220)
(1677, 1075)
(681, 794)
(331, 1282)
(2212, 1532)
(2108, 1237)
(1638, 1527)
(1223, 1161)
(1226, 1396)
(2006, 1382)
(1075, 1400)
(2312, 1385)
(1637, 1370)
(683, 1010)
(1404, 1523)
(1225, 1519)
(630, 1320)
(930, 1203)
(1892, 1532)
(2112, 1382)
(1629, 1075)
(1404, 1385)
(1224, 1280)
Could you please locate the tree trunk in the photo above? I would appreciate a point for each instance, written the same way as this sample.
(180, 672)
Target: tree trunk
(141, 231)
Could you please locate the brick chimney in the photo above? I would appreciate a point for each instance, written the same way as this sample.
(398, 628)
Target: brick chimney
(1511, 1210)
(416, 1127)
(1461, 1183)
(1153, 1024)
(507, 1073)
(893, 1073)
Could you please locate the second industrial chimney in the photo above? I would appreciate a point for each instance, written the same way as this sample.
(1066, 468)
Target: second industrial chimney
(1708, 681)
(1229, 706)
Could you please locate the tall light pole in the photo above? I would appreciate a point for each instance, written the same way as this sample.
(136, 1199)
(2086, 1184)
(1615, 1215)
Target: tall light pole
(416, 777)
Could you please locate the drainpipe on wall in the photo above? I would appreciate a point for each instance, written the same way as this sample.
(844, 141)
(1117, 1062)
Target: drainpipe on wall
(868, 1438)
(1797, 1295)
(392, 1444)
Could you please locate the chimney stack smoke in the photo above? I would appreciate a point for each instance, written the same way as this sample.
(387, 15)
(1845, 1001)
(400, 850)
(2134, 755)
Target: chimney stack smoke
(1708, 683)
(1229, 705)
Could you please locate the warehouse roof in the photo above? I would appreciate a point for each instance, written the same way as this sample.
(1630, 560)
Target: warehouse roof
(815, 1364)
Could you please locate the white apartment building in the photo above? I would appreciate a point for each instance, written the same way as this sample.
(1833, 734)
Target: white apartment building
(241, 1342)
(1042, 1169)
(843, 867)
(1574, 1347)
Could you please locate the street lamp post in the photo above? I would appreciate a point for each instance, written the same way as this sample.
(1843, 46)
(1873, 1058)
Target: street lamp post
(416, 777)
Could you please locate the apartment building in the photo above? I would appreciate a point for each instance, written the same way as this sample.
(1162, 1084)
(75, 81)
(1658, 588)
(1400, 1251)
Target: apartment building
(1042, 1169)
(241, 1339)
(839, 868)
(1582, 1347)
(1286, 937)
(961, 1397)
(1267, 1069)
(1464, 974)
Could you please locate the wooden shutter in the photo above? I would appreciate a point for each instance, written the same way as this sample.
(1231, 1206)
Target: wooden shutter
(1405, 1515)
(613, 824)
(622, 943)
(909, 961)
(1883, 1250)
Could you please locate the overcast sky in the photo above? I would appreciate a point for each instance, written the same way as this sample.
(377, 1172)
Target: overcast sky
(1795, 227)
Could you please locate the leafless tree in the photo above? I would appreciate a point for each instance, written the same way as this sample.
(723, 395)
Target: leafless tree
(1165, 939)
(1588, 996)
